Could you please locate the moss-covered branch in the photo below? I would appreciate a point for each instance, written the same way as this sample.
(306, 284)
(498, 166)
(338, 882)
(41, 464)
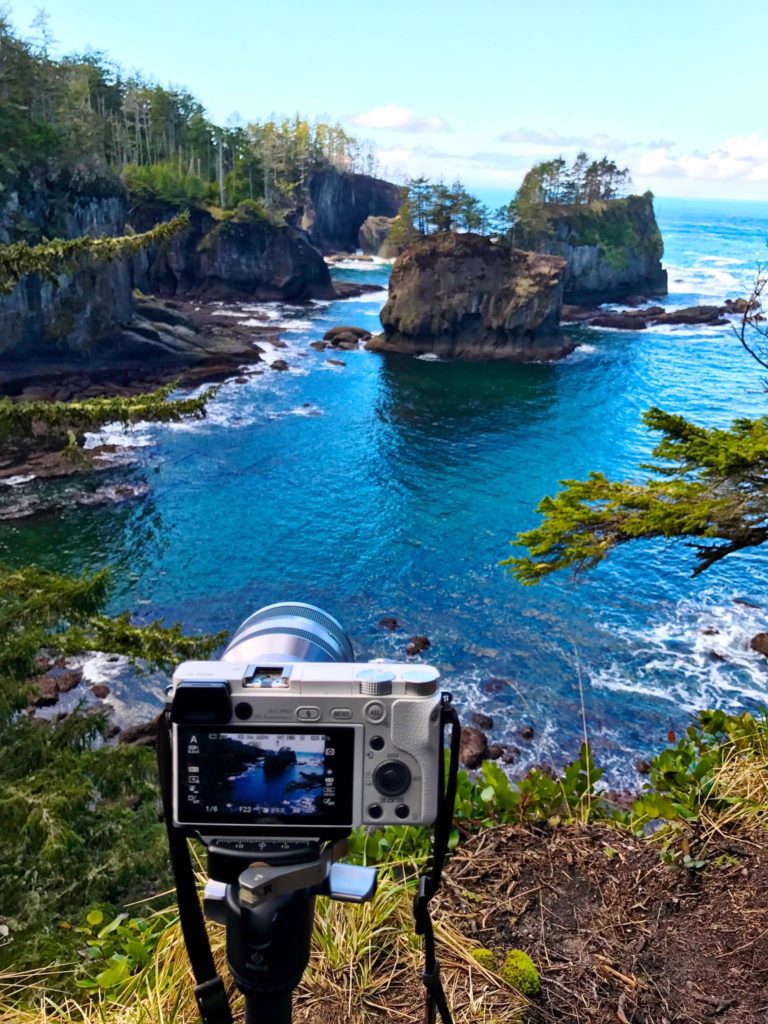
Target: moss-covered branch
(24, 420)
(59, 256)
(709, 485)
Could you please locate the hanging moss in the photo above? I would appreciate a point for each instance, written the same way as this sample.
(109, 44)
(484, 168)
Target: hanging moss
(50, 259)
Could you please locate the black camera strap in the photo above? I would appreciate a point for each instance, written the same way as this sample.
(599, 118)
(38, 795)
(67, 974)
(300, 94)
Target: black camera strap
(429, 883)
(210, 992)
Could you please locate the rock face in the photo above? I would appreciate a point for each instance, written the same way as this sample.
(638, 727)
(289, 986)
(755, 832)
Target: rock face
(373, 236)
(231, 258)
(83, 306)
(613, 249)
(336, 205)
(464, 296)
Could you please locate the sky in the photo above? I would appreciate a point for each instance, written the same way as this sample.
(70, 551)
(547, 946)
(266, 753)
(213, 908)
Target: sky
(674, 89)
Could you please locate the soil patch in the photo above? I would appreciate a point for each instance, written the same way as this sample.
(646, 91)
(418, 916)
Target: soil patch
(618, 935)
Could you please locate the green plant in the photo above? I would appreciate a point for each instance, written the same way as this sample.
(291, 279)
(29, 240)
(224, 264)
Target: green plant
(486, 958)
(519, 971)
(117, 947)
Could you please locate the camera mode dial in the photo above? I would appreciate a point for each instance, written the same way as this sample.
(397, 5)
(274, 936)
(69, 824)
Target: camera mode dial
(392, 778)
(375, 682)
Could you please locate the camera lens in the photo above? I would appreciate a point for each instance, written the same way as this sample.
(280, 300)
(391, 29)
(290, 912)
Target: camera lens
(392, 778)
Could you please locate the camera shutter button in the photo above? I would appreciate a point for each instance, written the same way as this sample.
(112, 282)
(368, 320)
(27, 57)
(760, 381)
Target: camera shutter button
(375, 682)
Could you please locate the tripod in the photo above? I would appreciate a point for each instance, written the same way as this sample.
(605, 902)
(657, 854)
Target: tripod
(268, 908)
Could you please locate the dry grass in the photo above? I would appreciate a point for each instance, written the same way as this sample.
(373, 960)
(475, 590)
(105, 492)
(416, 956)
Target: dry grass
(365, 968)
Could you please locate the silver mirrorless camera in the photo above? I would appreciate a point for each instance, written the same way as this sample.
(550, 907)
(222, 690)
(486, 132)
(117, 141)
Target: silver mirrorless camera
(286, 735)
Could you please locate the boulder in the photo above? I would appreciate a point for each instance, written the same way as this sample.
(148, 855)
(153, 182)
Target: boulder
(389, 622)
(465, 296)
(373, 235)
(619, 321)
(143, 735)
(759, 643)
(417, 645)
(474, 747)
(342, 333)
(527, 733)
(481, 720)
(695, 315)
(279, 364)
(100, 690)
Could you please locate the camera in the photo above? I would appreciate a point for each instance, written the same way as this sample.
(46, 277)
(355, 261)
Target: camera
(287, 736)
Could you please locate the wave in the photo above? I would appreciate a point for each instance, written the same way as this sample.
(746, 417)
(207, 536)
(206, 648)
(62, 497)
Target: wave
(18, 480)
(699, 657)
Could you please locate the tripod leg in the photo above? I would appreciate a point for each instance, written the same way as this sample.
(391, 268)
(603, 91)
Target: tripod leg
(268, 1009)
(268, 950)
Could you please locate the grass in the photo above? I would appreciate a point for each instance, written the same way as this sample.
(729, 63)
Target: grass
(364, 968)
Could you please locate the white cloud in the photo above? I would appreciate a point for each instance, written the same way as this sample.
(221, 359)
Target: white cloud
(740, 158)
(394, 118)
(555, 141)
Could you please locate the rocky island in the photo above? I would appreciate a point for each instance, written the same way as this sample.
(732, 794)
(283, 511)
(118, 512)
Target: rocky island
(612, 248)
(467, 296)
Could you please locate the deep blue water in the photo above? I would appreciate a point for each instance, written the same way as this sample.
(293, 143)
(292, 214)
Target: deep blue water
(392, 486)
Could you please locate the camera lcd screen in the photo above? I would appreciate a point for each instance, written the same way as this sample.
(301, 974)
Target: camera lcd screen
(268, 776)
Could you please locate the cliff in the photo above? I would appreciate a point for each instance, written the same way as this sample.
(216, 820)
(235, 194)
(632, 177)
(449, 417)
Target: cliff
(83, 306)
(88, 317)
(336, 204)
(464, 296)
(613, 249)
(241, 255)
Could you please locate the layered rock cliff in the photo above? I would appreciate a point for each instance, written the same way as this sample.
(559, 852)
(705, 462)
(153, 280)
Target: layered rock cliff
(239, 256)
(464, 296)
(613, 249)
(336, 205)
(72, 315)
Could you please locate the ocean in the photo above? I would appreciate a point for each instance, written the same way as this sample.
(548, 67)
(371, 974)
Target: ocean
(392, 486)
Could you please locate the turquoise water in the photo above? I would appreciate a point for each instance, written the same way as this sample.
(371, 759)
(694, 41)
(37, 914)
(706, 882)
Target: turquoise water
(392, 486)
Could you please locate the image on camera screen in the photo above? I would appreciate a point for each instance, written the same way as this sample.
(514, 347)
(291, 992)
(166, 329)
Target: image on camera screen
(265, 776)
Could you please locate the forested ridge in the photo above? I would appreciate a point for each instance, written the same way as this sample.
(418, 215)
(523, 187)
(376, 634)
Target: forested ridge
(84, 113)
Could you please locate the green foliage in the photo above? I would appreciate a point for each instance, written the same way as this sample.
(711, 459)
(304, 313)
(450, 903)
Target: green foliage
(80, 826)
(116, 947)
(50, 259)
(79, 819)
(519, 971)
(708, 484)
(164, 182)
(683, 779)
(429, 207)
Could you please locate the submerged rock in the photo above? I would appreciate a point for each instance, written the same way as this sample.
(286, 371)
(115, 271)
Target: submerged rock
(417, 645)
(468, 297)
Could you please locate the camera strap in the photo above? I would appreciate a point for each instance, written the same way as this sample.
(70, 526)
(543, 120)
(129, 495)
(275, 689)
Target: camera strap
(429, 883)
(210, 992)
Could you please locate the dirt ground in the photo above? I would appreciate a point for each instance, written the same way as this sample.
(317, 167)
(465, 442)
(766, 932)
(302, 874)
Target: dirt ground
(617, 935)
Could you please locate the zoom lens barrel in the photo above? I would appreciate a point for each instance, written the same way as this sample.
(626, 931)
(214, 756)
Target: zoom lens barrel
(289, 632)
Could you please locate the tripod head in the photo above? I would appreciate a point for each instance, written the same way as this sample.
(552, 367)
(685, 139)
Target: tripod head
(268, 911)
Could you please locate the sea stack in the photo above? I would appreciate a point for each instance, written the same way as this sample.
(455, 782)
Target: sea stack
(464, 296)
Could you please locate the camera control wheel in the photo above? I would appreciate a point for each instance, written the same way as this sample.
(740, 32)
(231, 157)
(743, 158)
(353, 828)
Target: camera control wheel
(392, 778)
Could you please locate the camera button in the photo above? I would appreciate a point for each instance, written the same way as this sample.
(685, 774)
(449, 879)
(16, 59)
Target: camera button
(375, 810)
(243, 710)
(375, 711)
(341, 714)
(402, 810)
(377, 742)
(308, 714)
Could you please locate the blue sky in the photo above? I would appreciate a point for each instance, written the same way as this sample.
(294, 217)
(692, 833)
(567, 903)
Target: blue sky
(676, 90)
